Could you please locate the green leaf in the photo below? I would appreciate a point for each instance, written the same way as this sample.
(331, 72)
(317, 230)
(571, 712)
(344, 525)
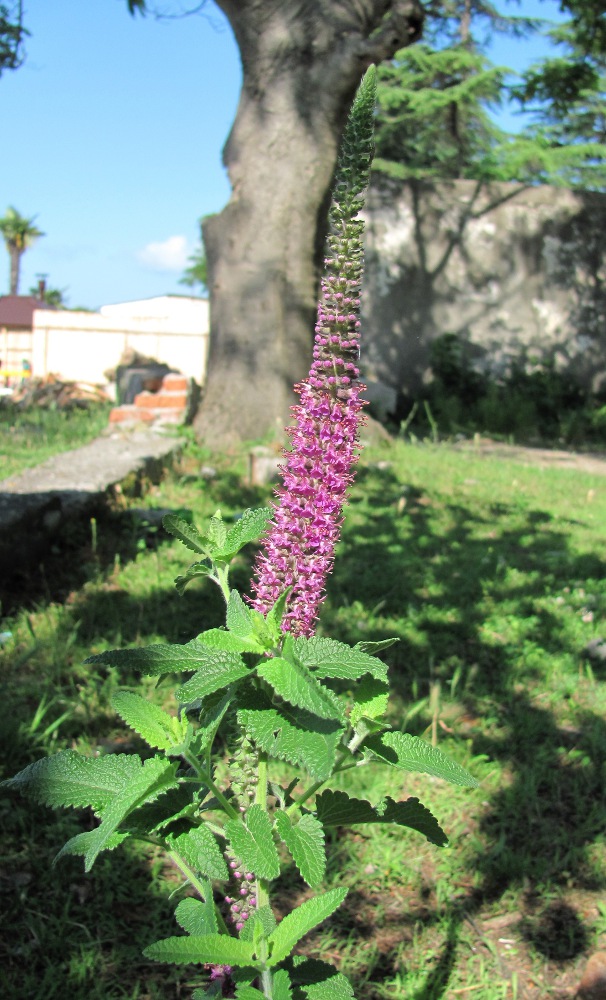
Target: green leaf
(219, 638)
(197, 917)
(81, 844)
(217, 532)
(247, 528)
(153, 817)
(213, 710)
(196, 569)
(211, 949)
(70, 779)
(299, 922)
(375, 647)
(337, 987)
(334, 808)
(370, 700)
(248, 993)
(155, 777)
(282, 990)
(264, 918)
(186, 533)
(199, 849)
(239, 616)
(253, 843)
(156, 727)
(297, 685)
(220, 670)
(298, 737)
(305, 841)
(276, 613)
(412, 754)
(165, 658)
(329, 658)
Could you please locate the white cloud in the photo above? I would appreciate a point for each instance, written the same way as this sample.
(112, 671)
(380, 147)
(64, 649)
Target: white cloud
(171, 255)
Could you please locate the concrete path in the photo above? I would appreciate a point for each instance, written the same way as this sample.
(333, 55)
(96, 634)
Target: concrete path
(34, 503)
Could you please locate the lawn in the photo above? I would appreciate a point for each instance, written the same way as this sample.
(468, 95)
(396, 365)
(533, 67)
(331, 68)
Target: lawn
(492, 575)
(30, 436)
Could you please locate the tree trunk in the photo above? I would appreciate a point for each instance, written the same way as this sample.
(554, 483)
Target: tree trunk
(15, 259)
(302, 62)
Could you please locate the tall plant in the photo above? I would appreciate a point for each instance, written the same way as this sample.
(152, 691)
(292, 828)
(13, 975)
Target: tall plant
(275, 690)
(19, 234)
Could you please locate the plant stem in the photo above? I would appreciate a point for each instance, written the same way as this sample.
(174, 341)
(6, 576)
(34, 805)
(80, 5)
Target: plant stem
(206, 779)
(197, 884)
(317, 784)
(262, 887)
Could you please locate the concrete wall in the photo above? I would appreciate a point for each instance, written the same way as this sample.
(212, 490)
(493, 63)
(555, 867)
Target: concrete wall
(509, 269)
(82, 346)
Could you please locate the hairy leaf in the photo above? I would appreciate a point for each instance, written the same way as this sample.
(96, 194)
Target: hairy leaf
(70, 779)
(217, 673)
(264, 918)
(329, 658)
(239, 616)
(299, 922)
(297, 685)
(334, 808)
(82, 843)
(375, 647)
(217, 531)
(191, 573)
(164, 658)
(253, 844)
(282, 990)
(186, 533)
(219, 638)
(156, 727)
(337, 987)
(295, 736)
(200, 850)
(412, 754)
(370, 700)
(156, 776)
(213, 711)
(196, 916)
(248, 993)
(305, 841)
(213, 949)
(247, 528)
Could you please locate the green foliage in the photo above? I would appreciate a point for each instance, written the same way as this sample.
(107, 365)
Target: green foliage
(216, 949)
(299, 922)
(12, 35)
(339, 809)
(412, 754)
(252, 843)
(305, 841)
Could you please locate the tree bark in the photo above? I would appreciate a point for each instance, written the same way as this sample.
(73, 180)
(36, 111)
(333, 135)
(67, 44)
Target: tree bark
(15, 267)
(302, 61)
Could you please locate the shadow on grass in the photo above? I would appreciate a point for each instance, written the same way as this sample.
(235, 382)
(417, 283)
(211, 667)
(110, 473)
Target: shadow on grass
(440, 564)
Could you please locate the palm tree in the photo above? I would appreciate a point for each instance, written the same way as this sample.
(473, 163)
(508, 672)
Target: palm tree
(19, 233)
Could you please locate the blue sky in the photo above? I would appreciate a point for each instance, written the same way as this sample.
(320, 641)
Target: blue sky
(112, 133)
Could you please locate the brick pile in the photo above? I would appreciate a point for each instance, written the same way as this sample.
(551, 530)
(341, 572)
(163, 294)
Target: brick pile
(168, 405)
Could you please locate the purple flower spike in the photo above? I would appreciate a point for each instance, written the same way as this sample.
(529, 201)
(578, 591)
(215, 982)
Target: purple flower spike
(317, 471)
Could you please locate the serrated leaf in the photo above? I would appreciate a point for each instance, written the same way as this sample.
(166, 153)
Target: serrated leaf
(264, 918)
(248, 993)
(213, 711)
(217, 673)
(370, 700)
(329, 658)
(191, 573)
(200, 850)
(372, 648)
(186, 533)
(337, 987)
(211, 949)
(197, 917)
(412, 754)
(253, 843)
(295, 736)
(70, 779)
(335, 808)
(276, 613)
(219, 638)
(153, 817)
(297, 685)
(247, 528)
(156, 727)
(281, 985)
(239, 616)
(164, 658)
(215, 989)
(82, 842)
(305, 841)
(217, 532)
(155, 777)
(299, 922)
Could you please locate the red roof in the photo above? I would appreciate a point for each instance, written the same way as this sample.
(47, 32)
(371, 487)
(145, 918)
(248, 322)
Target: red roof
(18, 310)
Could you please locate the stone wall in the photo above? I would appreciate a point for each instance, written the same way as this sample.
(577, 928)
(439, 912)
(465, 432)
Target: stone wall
(514, 271)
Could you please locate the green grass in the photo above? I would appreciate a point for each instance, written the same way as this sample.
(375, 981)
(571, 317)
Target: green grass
(493, 576)
(28, 437)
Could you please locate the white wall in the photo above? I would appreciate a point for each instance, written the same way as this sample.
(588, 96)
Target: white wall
(81, 346)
